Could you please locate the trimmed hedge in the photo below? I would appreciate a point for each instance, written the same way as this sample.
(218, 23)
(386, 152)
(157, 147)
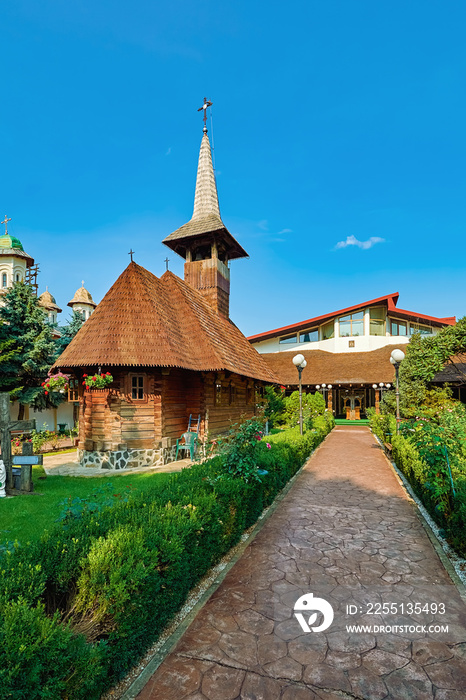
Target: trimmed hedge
(82, 605)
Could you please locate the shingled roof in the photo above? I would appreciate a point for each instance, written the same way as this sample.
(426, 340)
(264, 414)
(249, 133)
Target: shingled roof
(206, 219)
(161, 322)
(334, 368)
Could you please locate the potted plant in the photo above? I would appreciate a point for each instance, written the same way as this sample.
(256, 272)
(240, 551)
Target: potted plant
(58, 382)
(97, 381)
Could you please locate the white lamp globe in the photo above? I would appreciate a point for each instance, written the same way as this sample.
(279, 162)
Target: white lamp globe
(392, 361)
(303, 364)
(323, 386)
(298, 360)
(398, 355)
(318, 387)
(329, 386)
(374, 386)
(388, 386)
(381, 384)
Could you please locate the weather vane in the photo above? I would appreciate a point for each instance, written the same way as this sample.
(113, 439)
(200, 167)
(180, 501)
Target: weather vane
(207, 103)
(5, 221)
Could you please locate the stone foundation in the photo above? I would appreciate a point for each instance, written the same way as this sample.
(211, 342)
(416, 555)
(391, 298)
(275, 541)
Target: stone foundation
(120, 459)
(127, 459)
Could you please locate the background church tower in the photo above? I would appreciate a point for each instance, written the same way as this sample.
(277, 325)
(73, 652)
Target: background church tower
(204, 242)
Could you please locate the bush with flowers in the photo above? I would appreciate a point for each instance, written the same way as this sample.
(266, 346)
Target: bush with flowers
(57, 382)
(97, 381)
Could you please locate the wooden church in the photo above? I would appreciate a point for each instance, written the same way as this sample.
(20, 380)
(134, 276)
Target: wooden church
(170, 346)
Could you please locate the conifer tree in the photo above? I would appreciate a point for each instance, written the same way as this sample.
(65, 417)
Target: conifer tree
(23, 325)
(68, 332)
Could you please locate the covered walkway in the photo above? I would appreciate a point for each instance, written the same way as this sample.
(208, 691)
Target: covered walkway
(347, 533)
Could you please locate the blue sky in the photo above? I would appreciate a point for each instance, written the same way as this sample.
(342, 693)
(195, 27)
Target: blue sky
(339, 141)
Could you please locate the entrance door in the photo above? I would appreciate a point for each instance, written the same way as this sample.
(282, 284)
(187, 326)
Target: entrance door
(353, 405)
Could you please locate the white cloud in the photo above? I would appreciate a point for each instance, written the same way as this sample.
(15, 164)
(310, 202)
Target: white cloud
(364, 245)
(285, 230)
(169, 150)
(263, 224)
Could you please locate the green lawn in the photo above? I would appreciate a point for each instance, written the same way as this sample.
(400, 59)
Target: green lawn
(25, 518)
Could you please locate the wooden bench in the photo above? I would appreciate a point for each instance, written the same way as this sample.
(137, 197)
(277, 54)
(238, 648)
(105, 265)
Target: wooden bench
(388, 448)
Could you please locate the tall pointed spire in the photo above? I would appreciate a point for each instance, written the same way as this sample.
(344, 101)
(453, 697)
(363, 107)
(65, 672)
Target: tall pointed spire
(204, 242)
(206, 197)
(206, 222)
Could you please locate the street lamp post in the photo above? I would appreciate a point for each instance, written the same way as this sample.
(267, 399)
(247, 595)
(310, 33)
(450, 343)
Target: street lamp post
(396, 358)
(300, 363)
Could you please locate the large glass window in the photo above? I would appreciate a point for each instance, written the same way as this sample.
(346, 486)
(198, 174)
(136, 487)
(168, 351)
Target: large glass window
(309, 336)
(352, 325)
(417, 328)
(4, 279)
(328, 331)
(398, 327)
(288, 339)
(377, 320)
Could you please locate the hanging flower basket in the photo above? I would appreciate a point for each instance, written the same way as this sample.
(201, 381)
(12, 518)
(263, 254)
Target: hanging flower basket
(97, 381)
(58, 382)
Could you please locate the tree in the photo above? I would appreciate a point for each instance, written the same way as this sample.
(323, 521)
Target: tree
(425, 357)
(24, 328)
(68, 332)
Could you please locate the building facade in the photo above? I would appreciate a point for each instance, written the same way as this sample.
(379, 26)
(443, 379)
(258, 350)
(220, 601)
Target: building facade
(169, 346)
(347, 351)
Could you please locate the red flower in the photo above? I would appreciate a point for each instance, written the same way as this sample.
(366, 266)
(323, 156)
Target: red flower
(84, 383)
(103, 376)
(43, 384)
(46, 393)
(108, 374)
(84, 375)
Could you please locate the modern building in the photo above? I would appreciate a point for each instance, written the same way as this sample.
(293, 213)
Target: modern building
(347, 351)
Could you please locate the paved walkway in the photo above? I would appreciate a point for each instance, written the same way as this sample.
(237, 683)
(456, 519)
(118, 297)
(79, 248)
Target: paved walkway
(347, 533)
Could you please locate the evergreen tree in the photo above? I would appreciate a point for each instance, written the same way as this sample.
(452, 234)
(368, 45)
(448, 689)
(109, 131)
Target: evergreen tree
(68, 332)
(23, 326)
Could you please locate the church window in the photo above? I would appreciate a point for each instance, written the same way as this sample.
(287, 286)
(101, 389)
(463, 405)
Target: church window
(137, 387)
(398, 327)
(352, 324)
(309, 336)
(4, 279)
(328, 331)
(377, 321)
(17, 277)
(288, 339)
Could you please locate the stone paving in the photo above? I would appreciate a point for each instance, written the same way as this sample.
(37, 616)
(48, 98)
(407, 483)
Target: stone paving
(347, 533)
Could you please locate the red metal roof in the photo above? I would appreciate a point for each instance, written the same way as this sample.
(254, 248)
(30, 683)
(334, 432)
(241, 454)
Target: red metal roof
(390, 300)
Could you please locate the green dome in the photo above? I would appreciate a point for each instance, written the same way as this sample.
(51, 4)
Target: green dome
(7, 241)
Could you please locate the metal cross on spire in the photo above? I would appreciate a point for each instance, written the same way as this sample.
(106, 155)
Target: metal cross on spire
(166, 261)
(131, 252)
(5, 221)
(207, 103)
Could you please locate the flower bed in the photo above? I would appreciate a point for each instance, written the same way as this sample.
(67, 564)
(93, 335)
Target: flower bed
(81, 606)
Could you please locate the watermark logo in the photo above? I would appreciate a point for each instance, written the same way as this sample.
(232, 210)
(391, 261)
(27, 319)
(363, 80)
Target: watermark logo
(308, 604)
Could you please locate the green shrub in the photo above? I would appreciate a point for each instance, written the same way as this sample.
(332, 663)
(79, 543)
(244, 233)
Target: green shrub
(96, 591)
